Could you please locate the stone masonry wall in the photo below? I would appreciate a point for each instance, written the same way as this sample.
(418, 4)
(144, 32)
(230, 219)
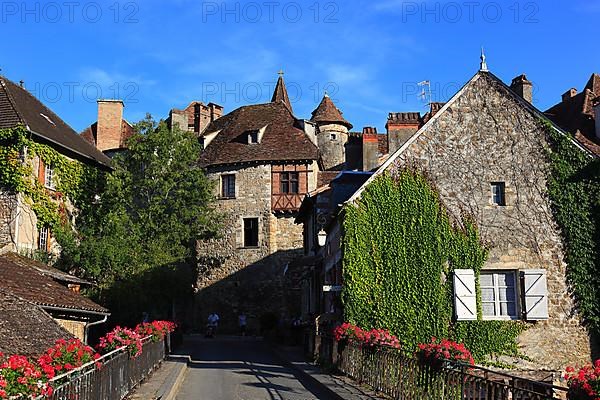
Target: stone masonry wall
(8, 204)
(487, 136)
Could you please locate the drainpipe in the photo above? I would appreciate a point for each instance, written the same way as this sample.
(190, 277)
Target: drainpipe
(87, 326)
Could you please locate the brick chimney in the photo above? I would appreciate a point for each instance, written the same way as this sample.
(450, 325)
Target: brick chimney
(597, 116)
(110, 120)
(401, 126)
(523, 87)
(370, 148)
(568, 94)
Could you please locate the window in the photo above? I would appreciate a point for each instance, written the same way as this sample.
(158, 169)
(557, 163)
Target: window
(49, 177)
(333, 136)
(498, 295)
(228, 186)
(250, 232)
(289, 182)
(498, 193)
(253, 137)
(44, 236)
(23, 155)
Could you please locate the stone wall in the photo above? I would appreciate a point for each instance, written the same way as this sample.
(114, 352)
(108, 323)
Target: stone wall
(8, 204)
(487, 136)
(331, 139)
(76, 328)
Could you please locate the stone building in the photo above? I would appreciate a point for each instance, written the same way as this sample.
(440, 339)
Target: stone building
(485, 153)
(19, 230)
(195, 117)
(263, 161)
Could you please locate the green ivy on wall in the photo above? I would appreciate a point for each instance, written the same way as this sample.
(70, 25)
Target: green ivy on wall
(17, 174)
(574, 190)
(400, 249)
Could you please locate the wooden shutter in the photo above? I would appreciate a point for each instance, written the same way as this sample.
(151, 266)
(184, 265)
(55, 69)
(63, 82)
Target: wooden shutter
(465, 299)
(42, 172)
(535, 294)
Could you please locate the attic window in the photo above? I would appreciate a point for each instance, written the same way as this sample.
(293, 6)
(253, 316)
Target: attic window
(47, 119)
(253, 137)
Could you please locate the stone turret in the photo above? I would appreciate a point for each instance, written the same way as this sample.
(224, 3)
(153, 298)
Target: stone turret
(332, 134)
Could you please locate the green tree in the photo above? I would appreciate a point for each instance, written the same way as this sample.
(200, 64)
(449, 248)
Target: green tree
(144, 224)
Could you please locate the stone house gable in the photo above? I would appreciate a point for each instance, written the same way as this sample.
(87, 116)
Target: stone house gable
(487, 137)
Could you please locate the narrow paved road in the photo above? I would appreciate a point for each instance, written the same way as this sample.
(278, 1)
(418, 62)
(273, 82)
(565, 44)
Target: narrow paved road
(235, 368)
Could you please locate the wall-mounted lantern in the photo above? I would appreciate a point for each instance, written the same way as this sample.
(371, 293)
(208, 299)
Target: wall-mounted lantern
(321, 238)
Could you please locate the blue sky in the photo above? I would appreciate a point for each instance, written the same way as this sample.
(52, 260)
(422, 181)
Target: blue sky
(369, 55)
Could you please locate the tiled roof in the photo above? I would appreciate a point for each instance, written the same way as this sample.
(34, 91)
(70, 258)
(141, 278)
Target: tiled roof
(324, 177)
(326, 111)
(19, 107)
(25, 281)
(26, 329)
(282, 140)
(280, 93)
(45, 269)
(576, 115)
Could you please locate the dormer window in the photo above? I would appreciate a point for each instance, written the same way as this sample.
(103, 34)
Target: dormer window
(253, 137)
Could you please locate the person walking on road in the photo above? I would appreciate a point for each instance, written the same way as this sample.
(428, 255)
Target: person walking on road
(242, 321)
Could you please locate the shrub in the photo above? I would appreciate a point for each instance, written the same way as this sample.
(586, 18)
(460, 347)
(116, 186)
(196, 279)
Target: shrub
(20, 377)
(65, 356)
(157, 330)
(374, 337)
(584, 384)
(121, 337)
(436, 352)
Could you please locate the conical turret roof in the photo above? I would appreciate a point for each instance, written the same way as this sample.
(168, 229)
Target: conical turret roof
(327, 112)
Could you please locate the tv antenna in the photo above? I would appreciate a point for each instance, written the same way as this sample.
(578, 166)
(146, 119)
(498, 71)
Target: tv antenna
(425, 91)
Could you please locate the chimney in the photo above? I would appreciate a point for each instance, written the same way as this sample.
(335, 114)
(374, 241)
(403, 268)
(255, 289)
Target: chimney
(568, 94)
(523, 87)
(597, 116)
(370, 147)
(110, 117)
(401, 126)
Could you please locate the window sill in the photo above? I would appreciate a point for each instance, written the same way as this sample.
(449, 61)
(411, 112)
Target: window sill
(227, 198)
(500, 318)
(249, 247)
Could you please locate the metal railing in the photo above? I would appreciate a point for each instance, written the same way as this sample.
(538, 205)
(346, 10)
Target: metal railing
(404, 377)
(118, 374)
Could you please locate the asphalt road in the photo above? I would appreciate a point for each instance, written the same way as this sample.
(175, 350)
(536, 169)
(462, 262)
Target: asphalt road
(235, 368)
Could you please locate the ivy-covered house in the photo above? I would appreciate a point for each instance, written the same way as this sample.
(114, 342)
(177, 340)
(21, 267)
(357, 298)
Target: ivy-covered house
(44, 164)
(461, 233)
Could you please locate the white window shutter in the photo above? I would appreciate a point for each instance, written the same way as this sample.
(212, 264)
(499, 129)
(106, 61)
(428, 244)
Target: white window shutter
(465, 299)
(536, 294)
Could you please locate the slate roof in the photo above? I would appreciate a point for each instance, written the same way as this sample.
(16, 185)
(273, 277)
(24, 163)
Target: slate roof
(26, 329)
(326, 111)
(282, 139)
(25, 281)
(19, 107)
(576, 114)
(280, 93)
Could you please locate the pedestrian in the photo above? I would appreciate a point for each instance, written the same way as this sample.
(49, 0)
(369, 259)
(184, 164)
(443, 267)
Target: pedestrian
(213, 323)
(242, 321)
